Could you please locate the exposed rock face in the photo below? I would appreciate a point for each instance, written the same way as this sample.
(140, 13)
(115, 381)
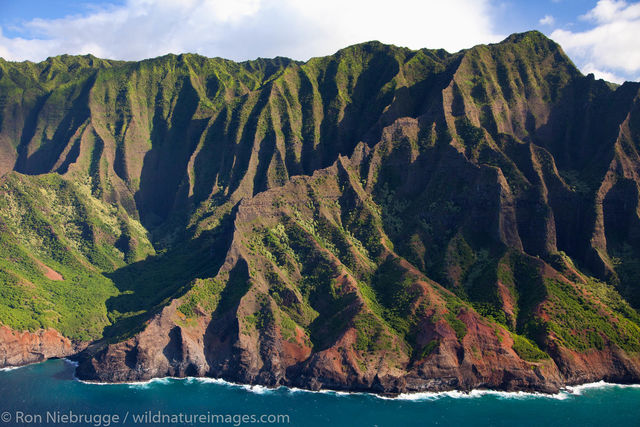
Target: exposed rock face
(614, 366)
(162, 349)
(23, 348)
(382, 219)
(168, 349)
(221, 345)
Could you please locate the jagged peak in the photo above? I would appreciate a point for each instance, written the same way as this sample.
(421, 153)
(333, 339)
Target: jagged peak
(532, 48)
(541, 44)
(527, 36)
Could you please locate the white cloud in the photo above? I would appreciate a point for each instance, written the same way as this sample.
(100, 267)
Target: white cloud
(602, 74)
(612, 10)
(611, 47)
(245, 29)
(547, 20)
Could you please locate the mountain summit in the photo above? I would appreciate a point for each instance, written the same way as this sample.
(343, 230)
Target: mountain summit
(381, 219)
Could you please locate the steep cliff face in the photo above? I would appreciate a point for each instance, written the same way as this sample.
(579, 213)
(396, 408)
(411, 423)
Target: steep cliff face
(315, 295)
(213, 127)
(380, 219)
(23, 348)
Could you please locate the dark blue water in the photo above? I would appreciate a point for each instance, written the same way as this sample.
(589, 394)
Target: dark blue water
(45, 393)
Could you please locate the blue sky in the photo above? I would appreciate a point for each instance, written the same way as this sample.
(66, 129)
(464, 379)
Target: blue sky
(599, 35)
(514, 16)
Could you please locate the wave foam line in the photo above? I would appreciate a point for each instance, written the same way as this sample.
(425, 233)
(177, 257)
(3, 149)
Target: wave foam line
(566, 393)
(579, 389)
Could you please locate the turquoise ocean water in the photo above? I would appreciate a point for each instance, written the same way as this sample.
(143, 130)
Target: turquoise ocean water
(48, 394)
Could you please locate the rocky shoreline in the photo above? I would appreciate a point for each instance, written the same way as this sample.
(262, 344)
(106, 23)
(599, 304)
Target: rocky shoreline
(24, 348)
(165, 349)
(410, 395)
(259, 388)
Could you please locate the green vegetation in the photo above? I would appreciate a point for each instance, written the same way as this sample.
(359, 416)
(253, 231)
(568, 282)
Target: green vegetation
(371, 334)
(527, 349)
(583, 323)
(453, 310)
(288, 328)
(428, 349)
(261, 319)
(394, 296)
(56, 241)
(204, 296)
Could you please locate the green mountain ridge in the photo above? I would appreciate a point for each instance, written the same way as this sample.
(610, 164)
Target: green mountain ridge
(380, 219)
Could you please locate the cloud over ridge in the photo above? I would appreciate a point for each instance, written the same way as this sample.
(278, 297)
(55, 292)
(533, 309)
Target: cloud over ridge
(611, 48)
(246, 29)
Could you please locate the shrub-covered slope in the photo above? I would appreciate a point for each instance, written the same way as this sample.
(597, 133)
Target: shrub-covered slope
(380, 219)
